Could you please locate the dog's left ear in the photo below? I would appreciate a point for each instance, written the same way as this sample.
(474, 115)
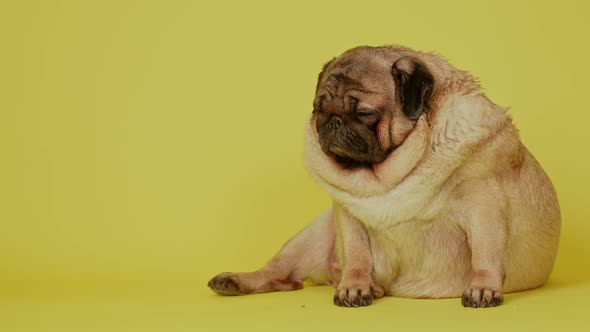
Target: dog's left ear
(413, 85)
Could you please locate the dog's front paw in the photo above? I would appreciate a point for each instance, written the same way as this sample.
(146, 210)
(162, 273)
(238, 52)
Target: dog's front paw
(482, 297)
(226, 284)
(357, 295)
(353, 297)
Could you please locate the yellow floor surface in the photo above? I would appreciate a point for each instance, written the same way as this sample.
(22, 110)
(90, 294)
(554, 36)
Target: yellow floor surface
(559, 306)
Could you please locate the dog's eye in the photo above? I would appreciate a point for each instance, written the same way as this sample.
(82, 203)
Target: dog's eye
(364, 114)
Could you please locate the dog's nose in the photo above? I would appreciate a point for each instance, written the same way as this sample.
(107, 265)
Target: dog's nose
(336, 122)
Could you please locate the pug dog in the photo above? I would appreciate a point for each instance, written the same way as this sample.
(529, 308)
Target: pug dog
(434, 195)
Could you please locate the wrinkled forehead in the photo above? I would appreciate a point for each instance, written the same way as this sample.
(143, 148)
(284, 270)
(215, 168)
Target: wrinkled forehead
(359, 73)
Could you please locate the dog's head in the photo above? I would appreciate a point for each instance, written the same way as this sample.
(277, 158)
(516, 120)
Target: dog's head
(379, 111)
(367, 102)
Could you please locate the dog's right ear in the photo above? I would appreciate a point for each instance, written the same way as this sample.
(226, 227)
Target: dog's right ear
(321, 75)
(413, 86)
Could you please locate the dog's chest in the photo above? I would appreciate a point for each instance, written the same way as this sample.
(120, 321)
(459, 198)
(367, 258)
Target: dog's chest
(416, 257)
(399, 206)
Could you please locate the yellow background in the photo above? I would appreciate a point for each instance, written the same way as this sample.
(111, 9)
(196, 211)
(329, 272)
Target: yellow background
(148, 145)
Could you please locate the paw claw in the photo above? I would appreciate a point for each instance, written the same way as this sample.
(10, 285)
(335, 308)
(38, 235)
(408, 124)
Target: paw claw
(367, 300)
(225, 284)
(353, 297)
(481, 298)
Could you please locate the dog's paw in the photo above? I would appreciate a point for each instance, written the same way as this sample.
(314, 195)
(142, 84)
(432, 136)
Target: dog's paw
(357, 295)
(226, 284)
(353, 297)
(482, 298)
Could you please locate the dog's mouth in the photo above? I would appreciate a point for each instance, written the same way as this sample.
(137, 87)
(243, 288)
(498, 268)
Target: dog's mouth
(351, 164)
(346, 161)
(350, 149)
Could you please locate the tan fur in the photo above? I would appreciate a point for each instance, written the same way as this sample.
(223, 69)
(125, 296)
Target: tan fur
(460, 208)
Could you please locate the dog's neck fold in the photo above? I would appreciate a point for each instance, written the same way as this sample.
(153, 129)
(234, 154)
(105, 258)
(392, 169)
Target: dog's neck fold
(425, 160)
